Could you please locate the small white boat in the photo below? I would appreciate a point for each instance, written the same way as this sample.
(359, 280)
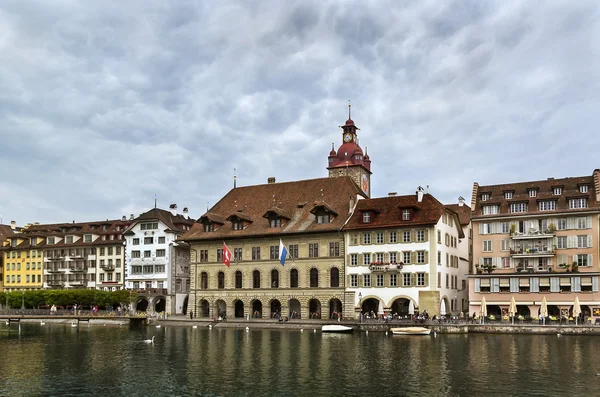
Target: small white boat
(340, 329)
(411, 331)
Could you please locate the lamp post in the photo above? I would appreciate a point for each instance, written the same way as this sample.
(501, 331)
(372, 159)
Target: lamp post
(360, 312)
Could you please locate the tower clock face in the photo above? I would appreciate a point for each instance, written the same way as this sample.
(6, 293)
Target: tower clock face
(364, 184)
(347, 137)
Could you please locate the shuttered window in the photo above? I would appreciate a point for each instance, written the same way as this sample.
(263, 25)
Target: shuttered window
(514, 285)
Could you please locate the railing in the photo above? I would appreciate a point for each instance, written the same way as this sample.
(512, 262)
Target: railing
(162, 291)
(532, 251)
(55, 283)
(384, 267)
(77, 269)
(107, 267)
(532, 234)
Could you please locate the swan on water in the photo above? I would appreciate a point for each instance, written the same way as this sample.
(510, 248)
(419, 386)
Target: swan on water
(150, 340)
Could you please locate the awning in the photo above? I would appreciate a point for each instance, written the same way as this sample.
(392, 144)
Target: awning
(565, 281)
(485, 282)
(504, 282)
(524, 282)
(587, 281)
(544, 282)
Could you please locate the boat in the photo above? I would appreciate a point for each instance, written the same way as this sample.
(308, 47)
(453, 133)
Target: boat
(411, 331)
(340, 329)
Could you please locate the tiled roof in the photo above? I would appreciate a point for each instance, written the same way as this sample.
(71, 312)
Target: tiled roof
(544, 192)
(294, 199)
(173, 222)
(463, 211)
(387, 212)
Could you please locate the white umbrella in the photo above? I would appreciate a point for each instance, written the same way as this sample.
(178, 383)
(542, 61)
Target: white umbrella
(512, 309)
(443, 308)
(411, 308)
(380, 309)
(576, 309)
(483, 309)
(544, 310)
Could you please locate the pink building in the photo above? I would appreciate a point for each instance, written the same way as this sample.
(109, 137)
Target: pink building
(533, 240)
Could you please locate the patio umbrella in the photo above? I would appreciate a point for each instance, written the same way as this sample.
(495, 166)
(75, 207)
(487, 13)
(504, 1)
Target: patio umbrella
(443, 308)
(411, 308)
(380, 309)
(483, 309)
(576, 309)
(544, 310)
(512, 309)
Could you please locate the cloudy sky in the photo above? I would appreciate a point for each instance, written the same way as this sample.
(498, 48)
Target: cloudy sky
(104, 104)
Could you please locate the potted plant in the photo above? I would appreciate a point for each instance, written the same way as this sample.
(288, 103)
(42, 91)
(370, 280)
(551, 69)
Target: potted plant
(551, 228)
(575, 267)
(564, 266)
(513, 229)
(488, 268)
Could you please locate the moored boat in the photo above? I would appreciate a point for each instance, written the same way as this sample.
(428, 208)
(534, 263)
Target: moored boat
(340, 329)
(411, 331)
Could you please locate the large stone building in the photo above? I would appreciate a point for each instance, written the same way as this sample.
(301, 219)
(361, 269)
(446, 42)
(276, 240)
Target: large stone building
(403, 249)
(157, 266)
(534, 240)
(5, 232)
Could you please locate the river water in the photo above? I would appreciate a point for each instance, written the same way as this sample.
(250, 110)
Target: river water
(57, 359)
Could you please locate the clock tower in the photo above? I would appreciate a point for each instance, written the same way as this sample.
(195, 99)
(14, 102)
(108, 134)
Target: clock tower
(349, 159)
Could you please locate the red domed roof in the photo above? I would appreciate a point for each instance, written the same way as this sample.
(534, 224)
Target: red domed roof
(349, 122)
(347, 150)
(332, 153)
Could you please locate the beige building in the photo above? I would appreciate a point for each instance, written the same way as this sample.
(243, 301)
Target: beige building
(534, 240)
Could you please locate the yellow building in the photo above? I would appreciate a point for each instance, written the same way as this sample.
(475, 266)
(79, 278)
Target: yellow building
(23, 263)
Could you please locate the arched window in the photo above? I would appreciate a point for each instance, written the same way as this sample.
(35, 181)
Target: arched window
(256, 279)
(274, 278)
(238, 279)
(334, 277)
(203, 280)
(221, 280)
(294, 278)
(314, 278)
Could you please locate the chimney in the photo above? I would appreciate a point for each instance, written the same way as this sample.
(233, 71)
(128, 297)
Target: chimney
(173, 208)
(271, 179)
(131, 217)
(461, 201)
(185, 213)
(420, 192)
(392, 194)
(351, 205)
(13, 225)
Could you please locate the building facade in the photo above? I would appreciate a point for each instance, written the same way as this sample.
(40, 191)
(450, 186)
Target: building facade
(403, 249)
(157, 265)
(6, 231)
(23, 262)
(534, 240)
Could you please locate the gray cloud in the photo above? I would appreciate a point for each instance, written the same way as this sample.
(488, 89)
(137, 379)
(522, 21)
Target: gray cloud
(103, 105)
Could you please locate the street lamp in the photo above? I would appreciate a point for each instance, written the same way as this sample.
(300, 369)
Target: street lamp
(360, 313)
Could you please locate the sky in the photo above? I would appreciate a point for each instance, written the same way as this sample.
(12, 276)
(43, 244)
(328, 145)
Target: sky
(105, 104)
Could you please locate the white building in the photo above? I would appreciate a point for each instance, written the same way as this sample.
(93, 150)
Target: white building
(406, 248)
(157, 266)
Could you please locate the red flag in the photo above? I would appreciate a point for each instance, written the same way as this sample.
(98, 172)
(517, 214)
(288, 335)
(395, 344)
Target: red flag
(226, 255)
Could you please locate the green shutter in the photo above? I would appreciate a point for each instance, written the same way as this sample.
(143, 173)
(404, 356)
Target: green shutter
(413, 279)
(413, 257)
(426, 256)
(360, 259)
(426, 231)
(413, 238)
(427, 279)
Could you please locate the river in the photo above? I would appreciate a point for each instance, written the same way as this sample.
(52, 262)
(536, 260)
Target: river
(57, 359)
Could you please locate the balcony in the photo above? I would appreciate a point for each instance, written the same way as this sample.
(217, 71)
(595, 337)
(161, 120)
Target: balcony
(77, 283)
(76, 256)
(532, 252)
(77, 269)
(107, 268)
(157, 291)
(55, 270)
(385, 267)
(56, 258)
(55, 283)
(532, 234)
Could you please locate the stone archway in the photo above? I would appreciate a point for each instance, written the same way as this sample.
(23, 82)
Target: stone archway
(142, 305)
(335, 308)
(523, 310)
(220, 308)
(275, 308)
(203, 308)
(238, 309)
(401, 306)
(257, 308)
(370, 306)
(314, 308)
(160, 305)
(295, 308)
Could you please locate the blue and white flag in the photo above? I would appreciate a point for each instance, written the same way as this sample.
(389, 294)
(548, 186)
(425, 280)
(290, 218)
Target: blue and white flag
(282, 253)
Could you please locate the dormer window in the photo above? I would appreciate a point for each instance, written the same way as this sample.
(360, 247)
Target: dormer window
(406, 215)
(209, 227)
(557, 191)
(508, 195)
(69, 240)
(583, 189)
(275, 222)
(14, 242)
(33, 241)
(323, 218)
(489, 210)
(87, 238)
(578, 203)
(366, 217)
(238, 224)
(51, 240)
(532, 193)
(323, 213)
(485, 197)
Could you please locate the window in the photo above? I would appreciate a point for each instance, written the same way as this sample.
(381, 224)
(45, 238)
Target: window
(203, 255)
(392, 237)
(439, 258)
(256, 279)
(136, 241)
(379, 280)
(353, 280)
(379, 238)
(406, 258)
(255, 253)
(147, 254)
(420, 235)
(583, 189)
(102, 251)
(557, 191)
(323, 218)
(366, 259)
(160, 253)
(582, 260)
(334, 249)
(393, 280)
(367, 280)
(366, 238)
(118, 277)
(238, 279)
(274, 252)
(219, 254)
(406, 237)
(313, 250)
(69, 240)
(238, 224)
(237, 254)
(447, 239)
(406, 215)
(379, 257)
(135, 254)
(354, 259)
(508, 195)
(274, 278)
(561, 242)
(221, 280)
(582, 223)
(149, 226)
(582, 242)
(487, 245)
(447, 280)
(406, 279)
(87, 238)
(547, 205)
(161, 240)
(148, 269)
(294, 278)
(293, 251)
(532, 193)
(136, 269)
(148, 240)
(578, 203)
(439, 236)
(51, 240)
(420, 256)
(485, 197)
(518, 207)
(159, 268)
(101, 277)
(208, 227)
(314, 278)
(490, 209)
(506, 262)
(334, 277)
(562, 224)
(275, 222)
(392, 257)
(420, 279)
(366, 217)
(505, 245)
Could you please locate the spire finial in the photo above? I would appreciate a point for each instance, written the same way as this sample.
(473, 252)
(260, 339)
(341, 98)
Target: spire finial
(349, 107)
(234, 178)
(155, 201)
